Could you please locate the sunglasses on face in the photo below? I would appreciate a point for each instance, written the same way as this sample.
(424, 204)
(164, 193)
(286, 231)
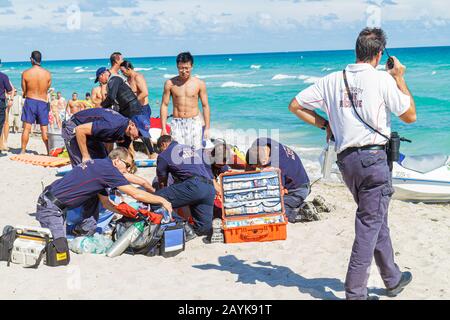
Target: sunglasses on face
(128, 165)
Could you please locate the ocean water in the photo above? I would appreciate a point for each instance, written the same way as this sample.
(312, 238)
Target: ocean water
(253, 91)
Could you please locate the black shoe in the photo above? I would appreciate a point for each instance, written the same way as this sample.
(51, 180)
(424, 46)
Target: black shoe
(189, 232)
(404, 281)
(374, 298)
(77, 231)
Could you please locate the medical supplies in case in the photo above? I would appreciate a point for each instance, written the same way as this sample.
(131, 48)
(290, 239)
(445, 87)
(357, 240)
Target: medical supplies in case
(253, 208)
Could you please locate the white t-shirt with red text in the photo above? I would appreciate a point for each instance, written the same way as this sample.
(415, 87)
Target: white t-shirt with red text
(375, 94)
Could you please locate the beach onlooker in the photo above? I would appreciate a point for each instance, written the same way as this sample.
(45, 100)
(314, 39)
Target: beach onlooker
(188, 127)
(88, 101)
(6, 89)
(266, 152)
(74, 105)
(4, 134)
(54, 113)
(136, 81)
(16, 112)
(98, 93)
(355, 101)
(61, 105)
(122, 99)
(36, 82)
(116, 60)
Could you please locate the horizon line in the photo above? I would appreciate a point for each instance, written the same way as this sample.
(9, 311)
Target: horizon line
(231, 54)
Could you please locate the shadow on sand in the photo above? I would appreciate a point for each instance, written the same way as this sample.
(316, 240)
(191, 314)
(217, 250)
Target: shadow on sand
(273, 275)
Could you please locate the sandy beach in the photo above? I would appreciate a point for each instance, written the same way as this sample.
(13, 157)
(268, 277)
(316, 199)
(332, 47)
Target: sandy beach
(310, 264)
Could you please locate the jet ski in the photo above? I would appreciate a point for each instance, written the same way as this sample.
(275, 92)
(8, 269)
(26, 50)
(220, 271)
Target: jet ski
(424, 178)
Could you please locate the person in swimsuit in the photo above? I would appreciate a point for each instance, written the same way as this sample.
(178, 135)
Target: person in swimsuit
(185, 90)
(36, 82)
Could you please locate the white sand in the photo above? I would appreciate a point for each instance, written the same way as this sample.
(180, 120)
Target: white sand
(310, 264)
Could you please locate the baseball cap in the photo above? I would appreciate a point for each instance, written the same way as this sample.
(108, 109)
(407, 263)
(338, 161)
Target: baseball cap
(142, 122)
(99, 73)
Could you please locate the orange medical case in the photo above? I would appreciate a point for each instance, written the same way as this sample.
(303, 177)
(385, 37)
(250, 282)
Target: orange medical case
(253, 208)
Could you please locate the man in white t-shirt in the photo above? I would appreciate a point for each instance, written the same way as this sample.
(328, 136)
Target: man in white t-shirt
(362, 156)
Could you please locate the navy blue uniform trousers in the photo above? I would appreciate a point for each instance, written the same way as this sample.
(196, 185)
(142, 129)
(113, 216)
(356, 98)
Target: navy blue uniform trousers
(196, 194)
(366, 173)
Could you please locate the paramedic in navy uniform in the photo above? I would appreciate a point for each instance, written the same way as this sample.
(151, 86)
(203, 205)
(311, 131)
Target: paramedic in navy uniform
(362, 157)
(85, 135)
(89, 179)
(266, 152)
(193, 185)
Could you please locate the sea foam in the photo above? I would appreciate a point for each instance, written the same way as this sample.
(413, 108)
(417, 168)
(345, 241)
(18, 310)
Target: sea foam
(232, 84)
(143, 69)
(283, 77)
(305, 78)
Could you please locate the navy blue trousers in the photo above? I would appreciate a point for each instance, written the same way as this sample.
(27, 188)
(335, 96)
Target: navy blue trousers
(196, 194)
(366, 173)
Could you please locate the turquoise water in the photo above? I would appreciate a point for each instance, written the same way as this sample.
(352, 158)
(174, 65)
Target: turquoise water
(254, 90)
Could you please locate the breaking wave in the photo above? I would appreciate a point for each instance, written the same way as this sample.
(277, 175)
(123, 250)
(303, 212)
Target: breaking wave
(232, 84)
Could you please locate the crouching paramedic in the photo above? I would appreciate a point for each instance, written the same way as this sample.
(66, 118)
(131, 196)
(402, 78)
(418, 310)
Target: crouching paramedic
(193, 185)
(266, 152)
(85, 135)
(89, 179)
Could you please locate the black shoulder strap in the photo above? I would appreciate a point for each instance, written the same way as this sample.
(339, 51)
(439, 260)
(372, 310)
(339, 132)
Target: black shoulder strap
(350, 96)
(11, 246)
(41, 255)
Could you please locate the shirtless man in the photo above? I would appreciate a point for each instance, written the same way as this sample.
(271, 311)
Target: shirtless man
(187, 123)
(36, 82)
(74, 105)
(61, 104)
(98, 94)
(55, 112)
(136, 81)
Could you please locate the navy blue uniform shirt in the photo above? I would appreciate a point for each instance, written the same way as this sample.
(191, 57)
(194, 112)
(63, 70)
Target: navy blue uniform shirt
(107, 125)
(87, 180)
(5, 85)
(293, 173)
(181, 162)
(212, 172)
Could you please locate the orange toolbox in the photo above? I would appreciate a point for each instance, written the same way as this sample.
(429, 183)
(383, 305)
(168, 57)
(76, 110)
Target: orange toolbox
(253, 208)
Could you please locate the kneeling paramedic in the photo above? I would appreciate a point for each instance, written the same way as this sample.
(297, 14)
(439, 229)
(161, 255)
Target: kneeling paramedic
(89, 179)
(266, 152)
(193, 185)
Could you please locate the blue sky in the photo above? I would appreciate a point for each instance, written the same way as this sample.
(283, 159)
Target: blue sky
(142, 28)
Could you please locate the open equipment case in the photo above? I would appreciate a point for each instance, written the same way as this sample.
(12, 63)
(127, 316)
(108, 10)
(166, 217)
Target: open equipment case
(253, 207)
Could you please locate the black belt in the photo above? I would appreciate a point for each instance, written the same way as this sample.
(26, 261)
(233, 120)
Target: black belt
(202, 179)
(54, 200)
(353, 149)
